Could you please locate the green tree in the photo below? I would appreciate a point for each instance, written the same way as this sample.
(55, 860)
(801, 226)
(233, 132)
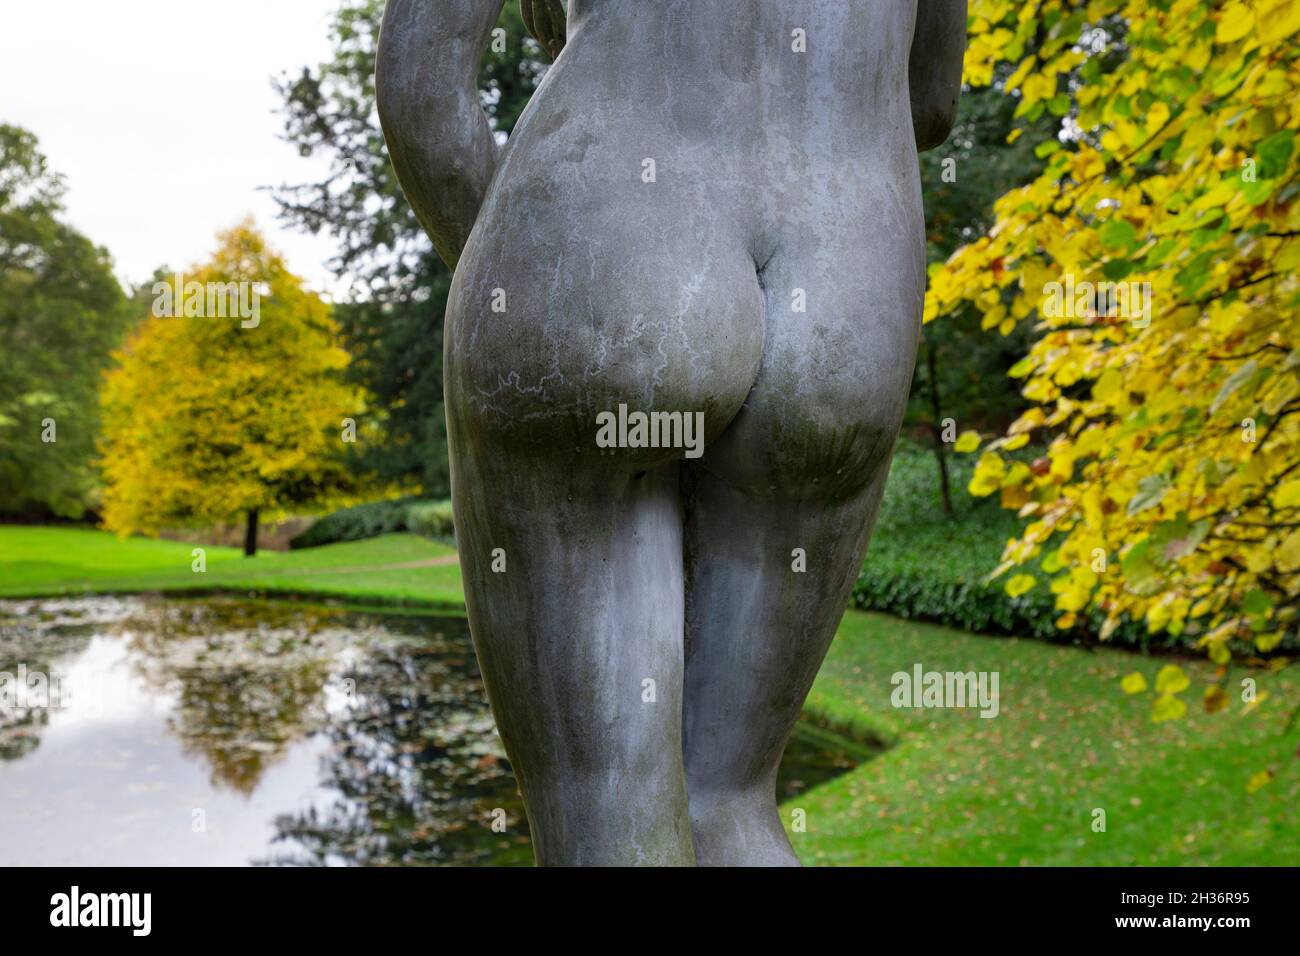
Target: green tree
(62, 312)
(212, 414)
(393, 324)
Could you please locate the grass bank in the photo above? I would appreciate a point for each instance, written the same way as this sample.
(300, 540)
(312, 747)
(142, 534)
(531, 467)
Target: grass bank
(1023, 787)
(399, 569)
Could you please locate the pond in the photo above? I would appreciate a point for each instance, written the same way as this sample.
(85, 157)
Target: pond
(143, 731)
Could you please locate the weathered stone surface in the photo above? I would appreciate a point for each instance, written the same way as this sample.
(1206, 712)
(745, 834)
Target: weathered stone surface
(701, 213)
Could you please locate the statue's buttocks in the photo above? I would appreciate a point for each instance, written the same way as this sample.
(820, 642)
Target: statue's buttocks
(674, 232)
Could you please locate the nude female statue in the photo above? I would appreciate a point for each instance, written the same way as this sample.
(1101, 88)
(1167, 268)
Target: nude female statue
(709, 206)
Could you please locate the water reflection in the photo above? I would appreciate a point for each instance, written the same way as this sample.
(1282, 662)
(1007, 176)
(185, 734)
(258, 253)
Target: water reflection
(231, 732)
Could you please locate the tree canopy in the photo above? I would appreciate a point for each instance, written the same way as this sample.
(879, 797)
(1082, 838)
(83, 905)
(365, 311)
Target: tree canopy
(1154, 261)
(62, 312)
(208, 417)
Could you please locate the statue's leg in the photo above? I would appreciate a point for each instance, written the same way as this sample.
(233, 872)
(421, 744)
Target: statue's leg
(778, 515)
(757, 633)
(573, 583)
(573, 303)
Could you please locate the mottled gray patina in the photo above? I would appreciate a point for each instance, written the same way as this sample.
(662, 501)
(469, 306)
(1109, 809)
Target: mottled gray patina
(709, 206)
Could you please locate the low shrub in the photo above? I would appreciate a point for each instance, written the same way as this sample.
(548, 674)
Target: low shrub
(431, 519)
(932, 566)
(422, 516)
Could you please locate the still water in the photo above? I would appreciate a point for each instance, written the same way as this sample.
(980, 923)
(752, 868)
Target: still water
(226, 732)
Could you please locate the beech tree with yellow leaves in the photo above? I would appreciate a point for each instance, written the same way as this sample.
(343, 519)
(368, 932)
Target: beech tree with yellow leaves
(228, 400)
(1155, 259)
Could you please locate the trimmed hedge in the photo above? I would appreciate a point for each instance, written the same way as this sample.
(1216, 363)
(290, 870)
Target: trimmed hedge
(922, 563)
(931, 566)
(422, 516)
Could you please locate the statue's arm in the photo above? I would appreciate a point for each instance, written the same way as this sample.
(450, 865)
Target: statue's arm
(934, 68)
(426, 88)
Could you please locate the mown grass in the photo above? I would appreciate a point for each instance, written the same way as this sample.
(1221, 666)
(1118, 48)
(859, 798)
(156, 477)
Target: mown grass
(68, 561)
(1022, 787)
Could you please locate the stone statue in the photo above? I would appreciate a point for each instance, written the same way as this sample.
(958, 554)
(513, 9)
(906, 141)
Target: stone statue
(708, 220)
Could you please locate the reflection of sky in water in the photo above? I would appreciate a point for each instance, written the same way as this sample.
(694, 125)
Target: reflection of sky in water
(109, 782)
(303, 735)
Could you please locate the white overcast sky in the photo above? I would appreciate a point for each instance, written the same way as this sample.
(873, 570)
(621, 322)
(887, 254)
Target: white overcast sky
(161, 117)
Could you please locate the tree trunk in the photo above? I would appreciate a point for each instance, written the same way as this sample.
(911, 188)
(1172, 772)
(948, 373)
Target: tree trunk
(250, 534)
(940, 452)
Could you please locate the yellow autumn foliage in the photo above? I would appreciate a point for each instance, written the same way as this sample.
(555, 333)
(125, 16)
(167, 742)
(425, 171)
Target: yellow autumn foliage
(1155, 259)
(208, 417)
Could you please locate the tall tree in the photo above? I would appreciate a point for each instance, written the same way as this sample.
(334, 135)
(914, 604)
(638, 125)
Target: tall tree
(62, 312)
(213, 414)
(393, 323)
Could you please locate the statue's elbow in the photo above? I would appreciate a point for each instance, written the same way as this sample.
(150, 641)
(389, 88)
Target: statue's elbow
(933, 121)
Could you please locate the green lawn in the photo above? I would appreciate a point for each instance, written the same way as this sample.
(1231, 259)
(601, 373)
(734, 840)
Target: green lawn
(952, 789)
(45, 561)
(1020, 788)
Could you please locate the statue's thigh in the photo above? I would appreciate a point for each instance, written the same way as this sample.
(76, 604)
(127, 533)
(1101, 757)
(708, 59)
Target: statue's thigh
(779, 510)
